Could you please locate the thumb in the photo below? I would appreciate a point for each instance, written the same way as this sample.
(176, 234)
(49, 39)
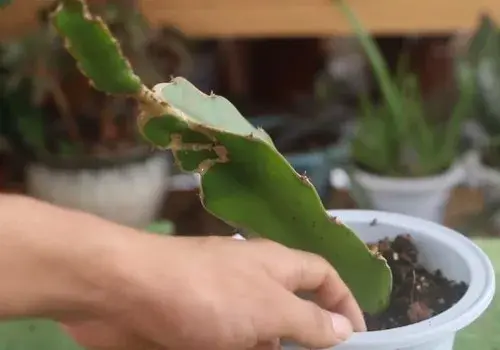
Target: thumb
(313, 327)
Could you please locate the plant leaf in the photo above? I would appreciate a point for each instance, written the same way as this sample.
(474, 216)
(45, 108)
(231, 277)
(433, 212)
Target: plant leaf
(98, 54)
(246, 182)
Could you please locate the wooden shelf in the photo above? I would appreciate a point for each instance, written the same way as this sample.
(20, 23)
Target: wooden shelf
(18, 18)
(286, 18)
(299, 18)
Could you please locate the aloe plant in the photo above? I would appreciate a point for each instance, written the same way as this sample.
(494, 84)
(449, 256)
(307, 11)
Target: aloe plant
(245, 181)
(397, 138)
(483, 60)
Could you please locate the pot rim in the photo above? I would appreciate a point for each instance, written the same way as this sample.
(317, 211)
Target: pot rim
(451, 177)
(488, 174)
(136, 154)
(485, 172)
(475, 301)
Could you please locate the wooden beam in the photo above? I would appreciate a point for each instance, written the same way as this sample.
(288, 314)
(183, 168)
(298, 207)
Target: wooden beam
(19, 18)
(299, 18)
(286, 18)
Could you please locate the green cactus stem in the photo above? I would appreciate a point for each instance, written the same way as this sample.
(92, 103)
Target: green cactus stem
(245, 181)
(98, 54)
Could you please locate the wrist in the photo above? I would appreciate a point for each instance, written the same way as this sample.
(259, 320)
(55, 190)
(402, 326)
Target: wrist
(57, 263)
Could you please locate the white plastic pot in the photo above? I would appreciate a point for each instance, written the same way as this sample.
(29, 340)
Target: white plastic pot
(425, 198)
(130, 193)
(489, 179)
(440, 248)
(485, 177)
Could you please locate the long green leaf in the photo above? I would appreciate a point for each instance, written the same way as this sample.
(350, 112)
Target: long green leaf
(389, 90)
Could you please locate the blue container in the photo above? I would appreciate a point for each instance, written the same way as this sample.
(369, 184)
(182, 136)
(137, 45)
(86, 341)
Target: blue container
(316, 164)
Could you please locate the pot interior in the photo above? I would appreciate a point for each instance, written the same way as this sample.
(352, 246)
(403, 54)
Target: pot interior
(434, 254)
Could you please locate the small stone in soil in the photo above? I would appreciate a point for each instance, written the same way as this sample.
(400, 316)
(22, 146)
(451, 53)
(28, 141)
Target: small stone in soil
(417, 294)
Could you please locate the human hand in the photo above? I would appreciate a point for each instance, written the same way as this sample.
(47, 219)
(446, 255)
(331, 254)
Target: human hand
(218, 293)
(117, 288)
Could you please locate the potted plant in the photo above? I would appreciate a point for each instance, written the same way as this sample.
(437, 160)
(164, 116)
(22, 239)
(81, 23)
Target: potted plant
(248, 183)
(406, 148)
(481, 57)
(313, 148)
(83, 148)
(314, 138)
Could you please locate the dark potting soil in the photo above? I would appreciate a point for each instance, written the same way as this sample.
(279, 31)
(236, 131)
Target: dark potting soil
(417, 294)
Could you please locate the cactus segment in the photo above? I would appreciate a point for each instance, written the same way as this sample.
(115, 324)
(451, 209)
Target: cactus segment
(97, 52)
(189, 101)
(246, 182)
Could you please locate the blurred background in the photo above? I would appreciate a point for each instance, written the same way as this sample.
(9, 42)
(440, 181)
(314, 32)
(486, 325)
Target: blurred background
(406, 119)
(295, 68)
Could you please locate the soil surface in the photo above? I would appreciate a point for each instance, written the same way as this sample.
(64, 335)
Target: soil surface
(417, 294)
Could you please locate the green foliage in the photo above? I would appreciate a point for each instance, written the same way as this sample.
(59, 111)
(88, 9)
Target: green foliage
(87, 37)
(43, 76)
(163, 227)
(397, 138)
(483, 60)
(4, 3)
(244, 180)
(30, 334)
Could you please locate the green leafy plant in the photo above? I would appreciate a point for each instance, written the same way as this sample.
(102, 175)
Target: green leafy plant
(244, 179)
(483, 60)
(61, 116)
(398, 137)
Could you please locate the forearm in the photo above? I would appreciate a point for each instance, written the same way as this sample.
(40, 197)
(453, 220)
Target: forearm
(53, 262)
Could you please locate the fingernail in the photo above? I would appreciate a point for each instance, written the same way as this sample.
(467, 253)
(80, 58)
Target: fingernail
(341, 326)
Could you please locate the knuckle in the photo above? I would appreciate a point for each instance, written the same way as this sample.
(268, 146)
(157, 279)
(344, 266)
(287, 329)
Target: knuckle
(209, 240)
(269, 244)
(317, 259)
(308, 258)
(312, 262)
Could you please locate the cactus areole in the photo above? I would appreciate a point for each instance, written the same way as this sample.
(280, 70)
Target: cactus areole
(245, 181)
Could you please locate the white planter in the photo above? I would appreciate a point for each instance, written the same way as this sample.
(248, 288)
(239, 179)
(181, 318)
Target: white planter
(440, 248)
(489, 179)
(130, 193)
(425, 198)
(485, 177)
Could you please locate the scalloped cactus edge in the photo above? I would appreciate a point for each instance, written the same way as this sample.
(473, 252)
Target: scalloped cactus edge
(245, 181)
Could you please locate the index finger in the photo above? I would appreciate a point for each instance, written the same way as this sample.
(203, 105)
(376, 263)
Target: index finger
(312, 273)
